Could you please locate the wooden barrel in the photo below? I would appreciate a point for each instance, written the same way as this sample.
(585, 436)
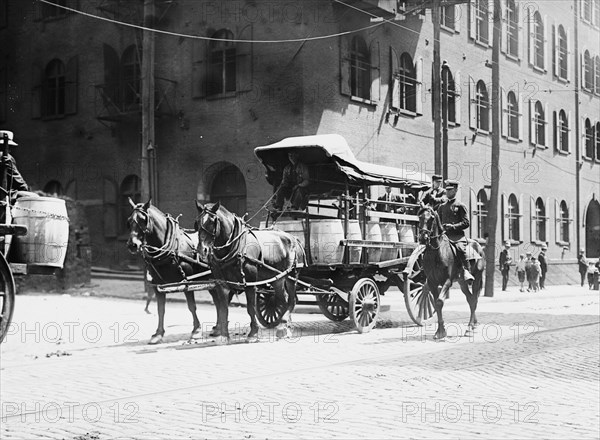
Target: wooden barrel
(7, 238)
(389, 233)
(325, 236)
(373, 234)
(406, 233)
(354, 233)
(47, 231)
(292, 227)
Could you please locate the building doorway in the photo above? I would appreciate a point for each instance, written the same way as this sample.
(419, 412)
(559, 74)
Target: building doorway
(229, 187)
(592, 230)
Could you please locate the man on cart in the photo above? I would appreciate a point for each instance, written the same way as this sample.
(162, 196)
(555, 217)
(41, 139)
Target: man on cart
(455, 219)
(12, 180)
(436, 195)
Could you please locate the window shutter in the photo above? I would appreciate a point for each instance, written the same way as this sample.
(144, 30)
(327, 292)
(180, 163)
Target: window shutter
(36, 91)
(581, 70)
(545, 46)
(531, 39)
(547, 220)
(531, 219)
(521, 232)
(504, 217)
(569, 51)
(546, 125)
(472, 30)
(555, 51)
(570, 132)
(419, 87)
(555, 130)
(110, 217)
(472, 109)
(557, 222)
(458, 100)
(531, 122)
(503, 27)
(504, 111)
(244, 59)
(199, 68)
(572, 224)
(375, 71)
(71, 86)
(520, 38)
(521, 110)
(345, 66)
(394, 80)
(491, 20)
(457, 18)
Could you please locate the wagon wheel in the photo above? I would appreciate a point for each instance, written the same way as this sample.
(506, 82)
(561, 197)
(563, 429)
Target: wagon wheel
(332, 306)
(417, 297)
(7, 296)
(364, 304)
(269, 308)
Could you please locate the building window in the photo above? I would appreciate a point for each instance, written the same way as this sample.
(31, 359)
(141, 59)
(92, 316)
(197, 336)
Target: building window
(513, 116)
(512, 28)
(481, 213)
(482, 105)
(513, 218)
(447, 17)
(229, 187)
(598, 141)
(130, 187)
(538, 41)
(360, 69)
(597, 90)
(54, 89)
(589, 140)
(562, 53)
(408, 84)
(539, 121)
(453, 99)
(51, 11)
(586, 13)
(481, 21)
(131, 77)
(564, 222)
(222, 66)
(563, 132)
(540, 220)
(588, 72)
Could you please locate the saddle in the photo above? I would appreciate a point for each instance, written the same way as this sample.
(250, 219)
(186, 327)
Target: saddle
(470, 254)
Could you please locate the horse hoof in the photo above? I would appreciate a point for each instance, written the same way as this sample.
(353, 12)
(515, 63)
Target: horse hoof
(439, 336)
(283, 333)
(470, 332)
(156, 339)
(252, 339)
(196, 334)
(148, 311)
(222, 340)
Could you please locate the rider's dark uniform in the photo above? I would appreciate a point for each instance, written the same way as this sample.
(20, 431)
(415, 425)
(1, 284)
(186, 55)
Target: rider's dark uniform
(434, 197)
(455, 219)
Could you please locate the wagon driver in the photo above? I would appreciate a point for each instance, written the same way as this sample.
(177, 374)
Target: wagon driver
(14, 181)
(454, 218)
(294, 185)
(436, 195)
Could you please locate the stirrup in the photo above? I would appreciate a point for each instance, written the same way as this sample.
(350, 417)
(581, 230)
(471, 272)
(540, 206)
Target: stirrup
(468, 276)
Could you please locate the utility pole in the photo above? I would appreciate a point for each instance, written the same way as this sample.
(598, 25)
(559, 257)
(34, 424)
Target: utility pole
(496, 117)
(147, 86)
(435, 89)
(445, 68)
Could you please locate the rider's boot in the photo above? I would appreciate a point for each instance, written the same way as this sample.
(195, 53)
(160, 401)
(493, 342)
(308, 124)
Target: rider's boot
(468, 277)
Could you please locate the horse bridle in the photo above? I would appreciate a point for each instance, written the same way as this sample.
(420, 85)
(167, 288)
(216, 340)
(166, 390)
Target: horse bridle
(429, 235)
(214, 233)
(145, 229)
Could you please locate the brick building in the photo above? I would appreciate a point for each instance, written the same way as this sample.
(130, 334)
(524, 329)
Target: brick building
(70, 89)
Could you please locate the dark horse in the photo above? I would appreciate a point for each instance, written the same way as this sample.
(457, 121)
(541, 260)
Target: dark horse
(442, 268)
(239, 257)
(169, 254)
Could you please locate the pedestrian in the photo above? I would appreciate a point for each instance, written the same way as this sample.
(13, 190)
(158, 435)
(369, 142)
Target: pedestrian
(583, 265)
(535, 274)
(505, 262)
(528, 263)
(543, 267)
(520, 270)
(590, 274)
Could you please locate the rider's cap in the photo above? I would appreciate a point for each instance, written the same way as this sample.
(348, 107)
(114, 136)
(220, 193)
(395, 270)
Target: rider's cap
(451, 183)
(507, 243)
(436, 178)
(10, 137)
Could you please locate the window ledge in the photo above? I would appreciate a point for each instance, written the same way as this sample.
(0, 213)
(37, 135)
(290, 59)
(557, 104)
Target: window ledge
(482, 43)
(408, 113)
(483, 132)
(512, 57)
(590, 159)
(563, 153)
(538, 69)
(539, 243)
(448, 29)
(363, 101)
(563, 243)
(560, 79)
(513, 140)
(539, 146)
(221, 96)
(453, 124)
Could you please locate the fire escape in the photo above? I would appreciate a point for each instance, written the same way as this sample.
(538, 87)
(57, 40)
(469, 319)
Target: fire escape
(118, 99)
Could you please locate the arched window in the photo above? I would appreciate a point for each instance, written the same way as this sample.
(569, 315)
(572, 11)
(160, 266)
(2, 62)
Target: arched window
(360, 68)
(540, 220)
(563, 58)
(482, 103)
(513, 115)
(453, 98)
(597, 82)
(538, 40)
(53, 188)
(588, 71)
(512, 28)
(130, 187)
(588, 152)
(539, 121)
(482, 213)
(131, 77)
(408, 83)
(563, 132)
(564, 222)
(598, 141)
(229, 187)
(482, 21)
(54, 89)
(513, 218)
(222, 67)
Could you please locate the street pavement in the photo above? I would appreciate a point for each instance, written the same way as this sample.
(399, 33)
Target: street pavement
(77, 366)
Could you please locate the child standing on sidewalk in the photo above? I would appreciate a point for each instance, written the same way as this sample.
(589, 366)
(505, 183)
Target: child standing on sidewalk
(521, 271)
(535, 274)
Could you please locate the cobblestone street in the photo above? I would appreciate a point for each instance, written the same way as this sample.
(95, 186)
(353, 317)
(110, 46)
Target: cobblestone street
(79, 368)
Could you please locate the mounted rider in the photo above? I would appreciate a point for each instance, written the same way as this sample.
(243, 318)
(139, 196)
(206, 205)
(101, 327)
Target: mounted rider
(436, 195)
(455, 219)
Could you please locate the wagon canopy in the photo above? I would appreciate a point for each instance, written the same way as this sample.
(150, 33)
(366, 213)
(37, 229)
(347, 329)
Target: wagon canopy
(332, 163)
